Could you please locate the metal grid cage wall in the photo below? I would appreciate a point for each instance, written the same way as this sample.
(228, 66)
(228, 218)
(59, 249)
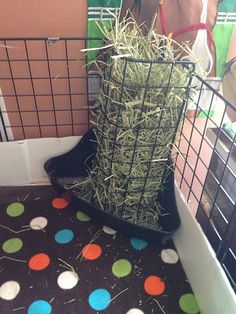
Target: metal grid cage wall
(44, 88)
(206, 170)
(46, 91)
(138, 115)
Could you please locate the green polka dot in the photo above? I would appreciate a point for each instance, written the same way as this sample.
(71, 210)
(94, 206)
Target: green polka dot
(82, 216)
(12, 245)
(188, 304)
(121, 268)
(15, 209)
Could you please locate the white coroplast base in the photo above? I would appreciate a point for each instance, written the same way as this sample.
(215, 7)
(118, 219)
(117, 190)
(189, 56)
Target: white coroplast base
(207, 278)
(21, 163)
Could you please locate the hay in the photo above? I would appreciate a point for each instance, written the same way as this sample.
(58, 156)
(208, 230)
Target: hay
(138, 114)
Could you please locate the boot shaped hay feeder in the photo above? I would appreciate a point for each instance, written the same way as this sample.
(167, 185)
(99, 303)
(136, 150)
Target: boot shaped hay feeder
(122, 170)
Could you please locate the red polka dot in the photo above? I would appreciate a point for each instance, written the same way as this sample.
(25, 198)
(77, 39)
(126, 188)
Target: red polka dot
(39, 261)
(91, 251)
(153, 285)
(60, 203)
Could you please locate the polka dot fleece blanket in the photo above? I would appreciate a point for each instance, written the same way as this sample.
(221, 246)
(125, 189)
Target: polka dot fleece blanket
(56, 259)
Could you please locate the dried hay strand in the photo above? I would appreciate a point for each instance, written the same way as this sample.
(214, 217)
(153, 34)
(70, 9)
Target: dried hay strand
(138, 112)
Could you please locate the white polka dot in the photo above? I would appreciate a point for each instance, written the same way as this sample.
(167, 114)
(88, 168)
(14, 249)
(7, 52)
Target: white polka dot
(67, 280)
(169, 256)
(109, 230)
(9, 290)
(38, 223)
(135, 311)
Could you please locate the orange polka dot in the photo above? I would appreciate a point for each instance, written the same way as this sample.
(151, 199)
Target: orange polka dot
(60, 202)
(39, 261)
(91, 251)
(153, 285)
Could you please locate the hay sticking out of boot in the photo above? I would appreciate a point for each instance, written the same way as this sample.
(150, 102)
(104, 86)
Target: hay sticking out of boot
(138, 113)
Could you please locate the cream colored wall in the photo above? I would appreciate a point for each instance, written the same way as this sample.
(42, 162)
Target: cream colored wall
(43, 18)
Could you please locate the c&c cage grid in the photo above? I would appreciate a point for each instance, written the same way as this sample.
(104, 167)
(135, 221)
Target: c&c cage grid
(47, 90)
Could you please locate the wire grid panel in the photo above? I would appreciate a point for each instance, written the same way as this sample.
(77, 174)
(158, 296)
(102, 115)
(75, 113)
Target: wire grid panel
(44, 88)
(46, 91)
(138, 117)
(206, 170)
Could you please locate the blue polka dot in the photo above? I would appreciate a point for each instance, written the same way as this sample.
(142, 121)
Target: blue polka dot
(99, 299)
(40, 307)
(64, 236)
(138, 244)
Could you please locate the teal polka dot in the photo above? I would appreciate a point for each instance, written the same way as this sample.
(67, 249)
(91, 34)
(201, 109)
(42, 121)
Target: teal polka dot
(138, 244)
(40, 307)
(99, 299)
(64, 236)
